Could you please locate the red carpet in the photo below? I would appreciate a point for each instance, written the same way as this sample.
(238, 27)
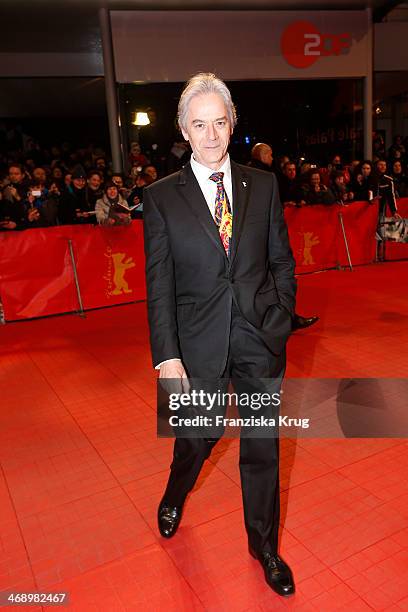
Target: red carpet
(82, 470)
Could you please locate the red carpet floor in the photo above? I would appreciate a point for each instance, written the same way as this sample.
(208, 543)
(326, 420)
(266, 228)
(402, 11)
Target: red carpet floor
(82, 470)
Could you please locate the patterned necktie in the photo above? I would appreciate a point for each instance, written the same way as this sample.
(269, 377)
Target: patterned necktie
(223, 214)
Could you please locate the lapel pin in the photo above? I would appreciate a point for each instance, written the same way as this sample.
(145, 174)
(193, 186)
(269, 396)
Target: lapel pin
(244, 183)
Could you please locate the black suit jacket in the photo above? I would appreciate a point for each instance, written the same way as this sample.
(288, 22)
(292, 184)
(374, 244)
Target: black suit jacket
(191, 283)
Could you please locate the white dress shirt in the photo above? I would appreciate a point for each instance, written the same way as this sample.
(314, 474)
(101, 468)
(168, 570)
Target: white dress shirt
(209, 189)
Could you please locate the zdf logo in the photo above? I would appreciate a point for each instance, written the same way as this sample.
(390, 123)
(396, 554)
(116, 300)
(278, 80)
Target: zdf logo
(302, 44)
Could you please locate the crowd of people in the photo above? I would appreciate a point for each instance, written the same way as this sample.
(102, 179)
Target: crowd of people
(41, 188)
(302, 183)
(72, 189)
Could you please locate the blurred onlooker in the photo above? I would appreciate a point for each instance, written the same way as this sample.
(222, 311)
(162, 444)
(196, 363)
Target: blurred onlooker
(100, 165)
(39, 175)
(118, 180)
(9, 215)
(57, 173)
(178, 156)
(314, 192)
(17, 188)
(261, 156)
(41, 205)
(397, 149)
(400, 180)
(135, 197)
(151, 171)
(386, 189)
(111, 208)
(364, 184)
(339, 189)
(289, 188)
(94, 187)
(136, 157)
(74, 205)
(335, 164)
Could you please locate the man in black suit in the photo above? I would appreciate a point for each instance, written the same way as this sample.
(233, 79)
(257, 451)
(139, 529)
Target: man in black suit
(221, 297)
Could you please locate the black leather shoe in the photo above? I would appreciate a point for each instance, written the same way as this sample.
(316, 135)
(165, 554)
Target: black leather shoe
(168, 518)
(277, 573)
(302, 322)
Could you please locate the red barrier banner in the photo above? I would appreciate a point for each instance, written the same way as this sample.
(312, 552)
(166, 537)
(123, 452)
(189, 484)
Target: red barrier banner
(36, 275)
(360, 221)
(398, 250)
(313, 235)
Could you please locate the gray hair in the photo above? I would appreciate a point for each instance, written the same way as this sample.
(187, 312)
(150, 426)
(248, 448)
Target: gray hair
(204, 83)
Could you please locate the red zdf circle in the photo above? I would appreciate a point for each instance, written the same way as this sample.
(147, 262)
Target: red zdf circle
(300, 44)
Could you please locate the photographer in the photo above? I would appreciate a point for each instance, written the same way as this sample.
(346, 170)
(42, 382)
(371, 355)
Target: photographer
(41, 205)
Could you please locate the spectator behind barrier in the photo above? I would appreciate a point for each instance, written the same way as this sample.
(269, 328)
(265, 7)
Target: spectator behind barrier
(41, 205)
(289, 187)
(261, 156)
(108, 208)
(364, 182)
(136, 157)
(94, 187)
(400, 180)
(339, 188)
(74, 204)
(135, 197)
(386, 189)
(314, 192)
(151, 171)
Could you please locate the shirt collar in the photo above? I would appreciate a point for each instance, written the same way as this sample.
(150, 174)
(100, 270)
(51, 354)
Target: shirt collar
(203, 173)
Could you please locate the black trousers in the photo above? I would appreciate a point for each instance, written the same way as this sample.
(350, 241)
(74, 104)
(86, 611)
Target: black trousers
(248, 358)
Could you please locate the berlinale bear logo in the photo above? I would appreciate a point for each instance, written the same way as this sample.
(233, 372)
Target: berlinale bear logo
(302, 44)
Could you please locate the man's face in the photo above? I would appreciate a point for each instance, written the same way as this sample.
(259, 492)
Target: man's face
(336, 160)
(118, 180)
(100, 163)
(15, 174)
(208, 130)
(290, 171)
(381, 167)
(397, 168)
(315, 179)
(94, 181)
(79, 183)
(266, 156)
(151, 171)
(39, 175)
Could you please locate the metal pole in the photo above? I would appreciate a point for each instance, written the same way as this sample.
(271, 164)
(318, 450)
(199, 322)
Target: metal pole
(71, 252)
(368, 90)
(110, 89)
(345, 241)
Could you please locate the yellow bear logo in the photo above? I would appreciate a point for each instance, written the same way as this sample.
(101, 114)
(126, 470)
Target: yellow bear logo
(309, 242)
(120, 266)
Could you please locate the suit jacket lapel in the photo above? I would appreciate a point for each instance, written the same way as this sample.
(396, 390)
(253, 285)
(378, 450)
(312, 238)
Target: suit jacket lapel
(192, 194)
(241, 185)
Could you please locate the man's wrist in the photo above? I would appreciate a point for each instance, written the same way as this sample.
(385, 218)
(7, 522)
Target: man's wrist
(159, 365)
